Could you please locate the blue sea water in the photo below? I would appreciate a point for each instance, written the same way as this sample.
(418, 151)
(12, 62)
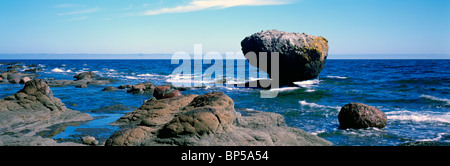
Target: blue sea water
(414, 94)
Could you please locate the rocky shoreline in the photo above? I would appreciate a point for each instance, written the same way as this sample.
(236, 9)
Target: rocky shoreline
(169, 118)
(206, 120)
(32, 115)
(209, 119)
(31, 110)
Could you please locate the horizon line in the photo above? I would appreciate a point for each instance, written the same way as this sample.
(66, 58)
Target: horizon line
(52, 56)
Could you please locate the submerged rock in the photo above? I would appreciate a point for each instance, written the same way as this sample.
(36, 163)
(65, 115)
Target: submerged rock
(81, 86)
(426, 143)
(109, 88)
(358, 115)
(34, 109)
(208, 119)
(301, 56)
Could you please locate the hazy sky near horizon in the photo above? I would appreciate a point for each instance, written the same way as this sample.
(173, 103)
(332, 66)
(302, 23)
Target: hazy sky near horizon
(163, 26)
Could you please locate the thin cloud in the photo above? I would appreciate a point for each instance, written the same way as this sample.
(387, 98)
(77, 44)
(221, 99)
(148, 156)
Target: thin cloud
(80, 11)
(128, 8)
(67, 5)
(78, 18)
(197, 5)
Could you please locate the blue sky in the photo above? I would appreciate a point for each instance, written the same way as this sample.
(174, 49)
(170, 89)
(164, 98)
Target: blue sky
(353, 27)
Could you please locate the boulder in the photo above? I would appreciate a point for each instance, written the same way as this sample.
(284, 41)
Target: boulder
(85, 75)
(14, 78)
(34, 109)
(141, 88)
(24, 80)
(358, 115)
(109, 88)
(301, 56)
(89, 140)
(124, 86)
(162, 92)
(33, 70)
(206, 120)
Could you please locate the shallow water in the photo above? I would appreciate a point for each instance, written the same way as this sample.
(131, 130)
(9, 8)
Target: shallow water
(414, 94)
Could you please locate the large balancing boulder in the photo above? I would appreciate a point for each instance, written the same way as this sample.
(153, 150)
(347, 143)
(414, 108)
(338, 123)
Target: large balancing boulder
(301, 56)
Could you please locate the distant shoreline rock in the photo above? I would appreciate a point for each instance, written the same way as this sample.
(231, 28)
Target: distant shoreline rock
(205, 120)
(149, 88)
(14, 77)
(301, 56)
(82, 80)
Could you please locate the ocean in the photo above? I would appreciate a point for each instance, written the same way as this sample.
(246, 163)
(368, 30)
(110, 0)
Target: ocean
(414, 94)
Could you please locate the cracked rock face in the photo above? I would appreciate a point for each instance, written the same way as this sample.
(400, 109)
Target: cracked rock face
(206, 120)
(301, 56)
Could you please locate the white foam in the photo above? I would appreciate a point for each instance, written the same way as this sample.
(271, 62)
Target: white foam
(284, 89)
(337, 77)
(318, 132)
(304, 103)
(189, 79)
(429, 97)
(131, 78)
(148, 75)
(314, 105)
(308, 83)
(438, 138)
(310, 90)
(425, 116)
(58, 70)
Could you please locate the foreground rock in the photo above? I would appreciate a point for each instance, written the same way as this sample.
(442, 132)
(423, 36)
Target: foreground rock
(358, 115)
(31, 110)
(208, 119)
(82, 80)
(301, 56)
